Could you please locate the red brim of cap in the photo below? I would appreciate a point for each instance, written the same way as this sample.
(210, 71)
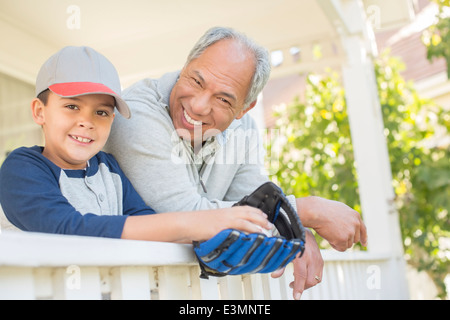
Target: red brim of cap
(73, 89)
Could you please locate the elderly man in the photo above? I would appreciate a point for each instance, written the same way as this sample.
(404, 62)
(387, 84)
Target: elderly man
(190, 144)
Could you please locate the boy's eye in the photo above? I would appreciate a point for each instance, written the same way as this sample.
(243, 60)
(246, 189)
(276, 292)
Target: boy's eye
(102, 113)
(72, 107)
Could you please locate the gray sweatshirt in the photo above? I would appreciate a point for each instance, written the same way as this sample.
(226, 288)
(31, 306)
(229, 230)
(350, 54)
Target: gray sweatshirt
(164, 169)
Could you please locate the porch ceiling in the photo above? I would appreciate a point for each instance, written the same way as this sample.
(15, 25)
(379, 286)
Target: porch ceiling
(147, 38)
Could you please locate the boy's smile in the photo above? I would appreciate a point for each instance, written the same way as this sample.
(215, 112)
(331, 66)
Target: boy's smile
(76, 128)
(81, 139)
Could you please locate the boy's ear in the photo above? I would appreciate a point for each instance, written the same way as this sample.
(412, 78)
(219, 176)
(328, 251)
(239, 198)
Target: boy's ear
(37, 111)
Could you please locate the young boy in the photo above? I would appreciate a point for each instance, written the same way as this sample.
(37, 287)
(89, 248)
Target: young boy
(69, 186)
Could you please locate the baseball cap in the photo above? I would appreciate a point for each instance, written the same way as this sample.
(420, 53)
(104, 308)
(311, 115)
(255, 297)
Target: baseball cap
(76, 71)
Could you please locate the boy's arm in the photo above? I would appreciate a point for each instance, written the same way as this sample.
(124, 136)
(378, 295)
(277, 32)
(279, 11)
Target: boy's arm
(188, 226)
(32, 201)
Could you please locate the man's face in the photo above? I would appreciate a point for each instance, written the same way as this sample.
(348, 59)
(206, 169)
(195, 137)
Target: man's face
(211, 91)
(76, 128)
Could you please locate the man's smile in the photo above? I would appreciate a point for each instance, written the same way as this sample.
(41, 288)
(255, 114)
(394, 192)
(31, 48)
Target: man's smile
(190, 120)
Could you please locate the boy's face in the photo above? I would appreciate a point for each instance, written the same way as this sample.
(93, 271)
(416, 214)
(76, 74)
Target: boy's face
(75, 129)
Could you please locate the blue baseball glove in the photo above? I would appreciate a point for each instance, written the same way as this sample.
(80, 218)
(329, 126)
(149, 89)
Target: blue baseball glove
(232, 252)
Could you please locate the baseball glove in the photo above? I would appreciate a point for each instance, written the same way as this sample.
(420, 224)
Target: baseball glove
(232, 252)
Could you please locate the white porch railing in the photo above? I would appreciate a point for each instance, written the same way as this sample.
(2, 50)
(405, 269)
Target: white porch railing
(43, 266)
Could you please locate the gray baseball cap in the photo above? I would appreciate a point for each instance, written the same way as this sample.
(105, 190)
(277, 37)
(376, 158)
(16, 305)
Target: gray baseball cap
(76, 71)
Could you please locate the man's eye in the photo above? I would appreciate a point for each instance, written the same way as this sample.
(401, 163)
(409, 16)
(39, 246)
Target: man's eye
(225, 101)
(197, 82)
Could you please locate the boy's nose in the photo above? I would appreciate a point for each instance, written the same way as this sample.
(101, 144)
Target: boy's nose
(87, 125)
(86, 121)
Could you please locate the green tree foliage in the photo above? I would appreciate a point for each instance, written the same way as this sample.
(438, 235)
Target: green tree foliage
(317, 158)
(437, 37)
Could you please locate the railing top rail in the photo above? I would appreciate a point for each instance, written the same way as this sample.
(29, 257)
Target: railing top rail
(28, 249)
(37, 249)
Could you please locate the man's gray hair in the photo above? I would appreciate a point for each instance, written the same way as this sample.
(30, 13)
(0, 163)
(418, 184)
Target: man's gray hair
(262, 62)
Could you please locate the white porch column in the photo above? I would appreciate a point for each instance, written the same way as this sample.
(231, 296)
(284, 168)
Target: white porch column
(366, 125)
(370, 149)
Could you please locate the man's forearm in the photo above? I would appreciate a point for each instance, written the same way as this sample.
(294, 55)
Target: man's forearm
(305, 210)
(334, 221)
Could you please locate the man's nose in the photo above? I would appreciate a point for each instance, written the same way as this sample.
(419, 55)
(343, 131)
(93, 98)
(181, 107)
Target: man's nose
(201, 104)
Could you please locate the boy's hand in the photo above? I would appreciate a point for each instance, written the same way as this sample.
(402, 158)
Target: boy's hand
(244, 218)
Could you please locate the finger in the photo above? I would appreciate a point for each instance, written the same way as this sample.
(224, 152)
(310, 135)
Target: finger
(312, 280)
(357, 235)
(350, 244)
(339, 247)
(300, 276)
(254, 210)
(316, 280)
(247, 226)
(363, 236)
(361, 232)
(257, 217)
(351, 241)
(277, 273)
(249, 219)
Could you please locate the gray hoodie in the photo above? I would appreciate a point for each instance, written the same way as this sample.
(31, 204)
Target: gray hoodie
(164, 168)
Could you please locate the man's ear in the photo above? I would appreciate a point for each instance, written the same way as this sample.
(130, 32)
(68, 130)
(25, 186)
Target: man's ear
(37, 111)
(243, 112)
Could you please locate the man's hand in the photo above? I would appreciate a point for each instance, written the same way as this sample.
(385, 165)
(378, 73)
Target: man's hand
(307, 269)
(334, 221)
